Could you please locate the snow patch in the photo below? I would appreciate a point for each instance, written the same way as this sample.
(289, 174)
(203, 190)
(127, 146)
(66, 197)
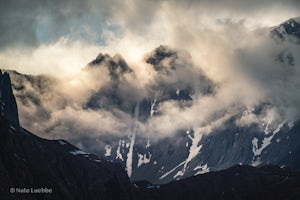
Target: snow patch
(143, 159)
(202, 169)
(78, 152)
(279, 127)
(291, 125)
(130, 156)
(107, 150)
(278, 140)
(179, 173)
(265, 143)
(148, 143)
(267, 131)
(171, 171)
(256, 162)
(61, 142)
(152, 111)
(132, 141)
(119, 155)
(255, 148)
(193, 151)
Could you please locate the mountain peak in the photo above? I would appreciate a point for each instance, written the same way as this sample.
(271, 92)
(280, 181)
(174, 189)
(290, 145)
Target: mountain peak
(116, 65)
(161, 54)
(8, 105)
(297, 19)
(288, 30)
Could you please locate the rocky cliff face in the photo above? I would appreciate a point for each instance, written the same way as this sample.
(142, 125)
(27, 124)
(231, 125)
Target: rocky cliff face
(36, 168)
(288, 31)
(8, 106)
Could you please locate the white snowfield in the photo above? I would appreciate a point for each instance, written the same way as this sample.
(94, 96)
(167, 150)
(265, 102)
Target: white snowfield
(257, 151)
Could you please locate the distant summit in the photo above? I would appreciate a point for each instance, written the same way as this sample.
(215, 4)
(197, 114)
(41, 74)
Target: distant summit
(116, 65)
(288, 30)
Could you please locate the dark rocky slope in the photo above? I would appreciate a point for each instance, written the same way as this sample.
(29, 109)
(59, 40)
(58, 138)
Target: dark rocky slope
(237, 182)
(27, 161)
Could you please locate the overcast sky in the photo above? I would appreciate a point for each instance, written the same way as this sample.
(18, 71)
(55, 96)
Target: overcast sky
(69, 33)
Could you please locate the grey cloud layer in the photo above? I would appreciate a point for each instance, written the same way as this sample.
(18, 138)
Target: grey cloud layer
(21, 20)
(24, 22)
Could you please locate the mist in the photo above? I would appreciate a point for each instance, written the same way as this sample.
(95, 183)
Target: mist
(232, 50)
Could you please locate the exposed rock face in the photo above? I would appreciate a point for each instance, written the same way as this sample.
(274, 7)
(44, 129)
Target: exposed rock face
(116, 65)
(29, 163)
(8, 105)
(289, 30)
(177, 76)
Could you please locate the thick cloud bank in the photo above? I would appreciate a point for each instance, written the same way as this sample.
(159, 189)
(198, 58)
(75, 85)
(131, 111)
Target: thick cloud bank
(220, 64)
(259, 86)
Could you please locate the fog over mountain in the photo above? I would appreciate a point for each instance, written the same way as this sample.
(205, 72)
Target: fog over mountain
(110, 76)
(56, 101)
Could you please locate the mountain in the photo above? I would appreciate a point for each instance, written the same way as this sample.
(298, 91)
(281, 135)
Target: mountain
(177, 81)
(186, 153)
(37, 168)
(288, 30)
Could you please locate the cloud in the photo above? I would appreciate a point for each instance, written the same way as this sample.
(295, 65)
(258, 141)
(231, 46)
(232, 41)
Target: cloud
(267, 65)
(237, 94)
(61, 37)
(31, 23)
(51, 106)
(26, 22)
(60, 59)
